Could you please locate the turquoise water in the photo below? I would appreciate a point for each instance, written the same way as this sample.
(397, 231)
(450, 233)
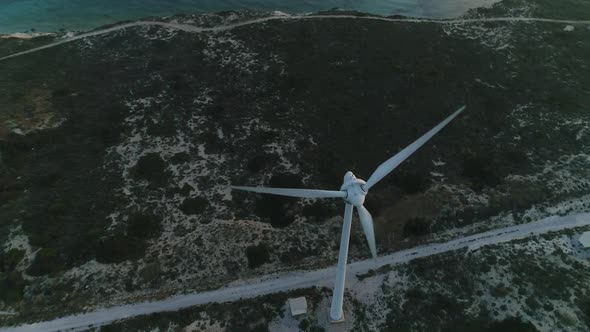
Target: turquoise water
(52, 15)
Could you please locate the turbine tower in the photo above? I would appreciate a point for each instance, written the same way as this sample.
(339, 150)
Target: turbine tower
(353, 192)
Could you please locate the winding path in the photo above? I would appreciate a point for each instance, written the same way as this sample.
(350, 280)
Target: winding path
(196, 29)
(302, 279)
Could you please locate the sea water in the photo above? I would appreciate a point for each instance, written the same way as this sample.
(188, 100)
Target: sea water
(75, 15)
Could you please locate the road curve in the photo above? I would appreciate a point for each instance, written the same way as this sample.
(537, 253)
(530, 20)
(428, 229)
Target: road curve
(192, 28)
(302, 279)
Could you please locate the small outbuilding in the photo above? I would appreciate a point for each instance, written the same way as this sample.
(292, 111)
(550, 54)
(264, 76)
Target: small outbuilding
(585, 239)
(298, 306)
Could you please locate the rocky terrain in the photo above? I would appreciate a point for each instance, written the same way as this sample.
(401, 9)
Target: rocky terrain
(116, 152)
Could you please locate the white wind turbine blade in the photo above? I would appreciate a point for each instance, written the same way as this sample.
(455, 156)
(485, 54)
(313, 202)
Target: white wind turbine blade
(338, 295)
(367, 223)
(305, 193)
(394, 161)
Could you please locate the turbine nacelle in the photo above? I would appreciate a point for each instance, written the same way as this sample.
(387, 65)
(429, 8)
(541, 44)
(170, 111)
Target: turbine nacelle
(355, 194)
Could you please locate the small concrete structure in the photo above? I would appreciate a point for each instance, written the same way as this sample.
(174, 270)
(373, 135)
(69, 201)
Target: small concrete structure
(298, 306)
(585, 240)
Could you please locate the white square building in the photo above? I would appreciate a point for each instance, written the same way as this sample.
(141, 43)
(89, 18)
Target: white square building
(298, 306)
(585, 240)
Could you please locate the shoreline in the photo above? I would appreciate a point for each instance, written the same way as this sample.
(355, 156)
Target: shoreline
(171, 21)
(189, 27)
(54, 15)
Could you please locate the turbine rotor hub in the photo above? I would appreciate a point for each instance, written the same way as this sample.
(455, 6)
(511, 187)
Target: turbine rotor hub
(355, 194)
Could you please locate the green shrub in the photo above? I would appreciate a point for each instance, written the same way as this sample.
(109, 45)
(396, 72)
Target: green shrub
(416, 227)
(150, 272)
(500, 291)
(410, 182)
(415, 293)
(194, 206)
(10, 259)
(12, 286)
(258, 163)
(180, 158)
(46, 261)
(143, 226)
(512, 324)
(319, 211)
(257, 255)
(186, 189)
(119, 248)
(151, 167)
(518, 157)
(304, 325)
(583, 303)
(9, 186)
(277, 210)
(480, 170)
(166, 125)
(61, 92)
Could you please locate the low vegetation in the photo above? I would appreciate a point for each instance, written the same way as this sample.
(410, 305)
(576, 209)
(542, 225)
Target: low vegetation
(257, 255)
(130, 244)
(288, 103)
(279, 210)
(517, 286)
(151, 167)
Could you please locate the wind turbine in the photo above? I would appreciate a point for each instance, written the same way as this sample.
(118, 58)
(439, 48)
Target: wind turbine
(353, 191)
